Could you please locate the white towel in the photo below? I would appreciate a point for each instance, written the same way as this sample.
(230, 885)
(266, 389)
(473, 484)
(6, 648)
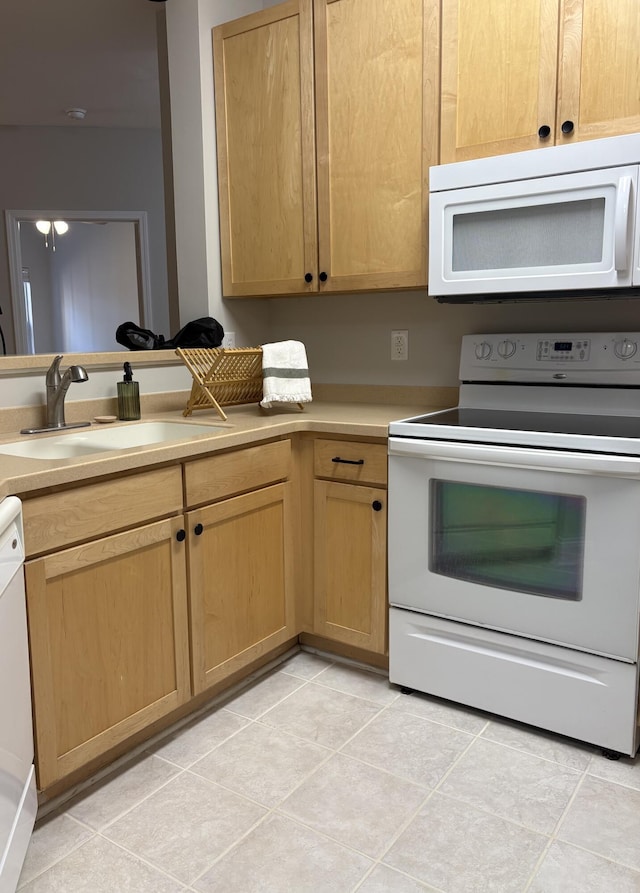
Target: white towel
(285, 374)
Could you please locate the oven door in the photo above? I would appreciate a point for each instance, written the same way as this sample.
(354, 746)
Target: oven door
(540, 543)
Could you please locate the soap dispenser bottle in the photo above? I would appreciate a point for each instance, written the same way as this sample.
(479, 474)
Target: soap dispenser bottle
(128, 396)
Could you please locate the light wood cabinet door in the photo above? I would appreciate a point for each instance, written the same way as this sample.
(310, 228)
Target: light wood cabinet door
(376, 112)
(109, 643)
(263, 67)
(350, 574)
(499, 72)
(241, 595)
(599, 89)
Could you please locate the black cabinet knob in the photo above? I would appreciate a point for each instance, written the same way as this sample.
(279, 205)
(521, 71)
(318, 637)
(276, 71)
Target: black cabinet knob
(567, 127)
(544, 131)
(308, 277)
(198, 529)
(181, 536)
(376, 505)
(323, 277)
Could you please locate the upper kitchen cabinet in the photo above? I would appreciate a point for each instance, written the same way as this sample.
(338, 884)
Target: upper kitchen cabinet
(599, 80)
(376, 64)
(535, 73)
(263, 69)
(499, 63)
(366, 136)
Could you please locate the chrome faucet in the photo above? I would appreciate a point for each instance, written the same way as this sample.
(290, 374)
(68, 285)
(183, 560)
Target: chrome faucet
(57, 387)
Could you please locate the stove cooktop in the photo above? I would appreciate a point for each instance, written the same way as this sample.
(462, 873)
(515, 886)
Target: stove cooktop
(566, 391)
(541, 422)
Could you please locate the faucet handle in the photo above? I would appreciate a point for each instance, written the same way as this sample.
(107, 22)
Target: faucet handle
(53, 377)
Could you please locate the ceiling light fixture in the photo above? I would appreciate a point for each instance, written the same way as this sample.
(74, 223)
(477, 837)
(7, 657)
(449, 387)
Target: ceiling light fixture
(76, 113)
(53, 227)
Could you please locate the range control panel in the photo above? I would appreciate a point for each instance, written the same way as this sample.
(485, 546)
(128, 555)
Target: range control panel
(577, 358)
(563, 351)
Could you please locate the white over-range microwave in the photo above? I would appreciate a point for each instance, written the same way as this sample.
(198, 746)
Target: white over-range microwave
(549, 223)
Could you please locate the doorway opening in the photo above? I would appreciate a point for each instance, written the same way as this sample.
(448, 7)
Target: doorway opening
(73, 284)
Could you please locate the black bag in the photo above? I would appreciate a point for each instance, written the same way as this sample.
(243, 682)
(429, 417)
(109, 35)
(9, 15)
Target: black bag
(203, 332)
(132, 336)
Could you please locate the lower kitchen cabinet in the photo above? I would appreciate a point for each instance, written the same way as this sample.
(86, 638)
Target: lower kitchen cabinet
(109, 642)
(147, 590)
(350, 544)
(240, 570)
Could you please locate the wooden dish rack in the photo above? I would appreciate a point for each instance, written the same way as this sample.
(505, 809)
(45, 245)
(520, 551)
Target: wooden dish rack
(222, 376)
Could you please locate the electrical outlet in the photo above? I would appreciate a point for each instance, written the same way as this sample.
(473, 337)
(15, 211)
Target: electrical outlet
(229, 339)
(400, 344)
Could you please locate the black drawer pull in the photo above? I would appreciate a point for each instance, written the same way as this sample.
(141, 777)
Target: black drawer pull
(376, 505)
(198, 529)
(567, 127)
(181, 536)
(544, 131)
(308, 277)
(348, 461)
(323, 277)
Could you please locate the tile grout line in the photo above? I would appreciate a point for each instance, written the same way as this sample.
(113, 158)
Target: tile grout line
(138, 803)
(403, 827)
(214, 748)
(429, 888)
(144, 860)
(553, 836)
(64, 856)
(530, 753)
(303, 684)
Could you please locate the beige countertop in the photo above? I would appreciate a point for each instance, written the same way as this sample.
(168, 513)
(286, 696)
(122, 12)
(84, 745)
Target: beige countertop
(244, 425)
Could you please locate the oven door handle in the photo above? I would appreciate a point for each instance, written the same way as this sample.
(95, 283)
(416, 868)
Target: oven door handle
(556, 460)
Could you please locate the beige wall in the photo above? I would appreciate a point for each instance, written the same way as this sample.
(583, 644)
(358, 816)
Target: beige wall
(348, 337)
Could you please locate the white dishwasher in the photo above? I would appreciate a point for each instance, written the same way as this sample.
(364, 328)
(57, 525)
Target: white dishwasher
(18, 798)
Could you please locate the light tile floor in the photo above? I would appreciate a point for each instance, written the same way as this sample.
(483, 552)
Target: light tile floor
(323, 777)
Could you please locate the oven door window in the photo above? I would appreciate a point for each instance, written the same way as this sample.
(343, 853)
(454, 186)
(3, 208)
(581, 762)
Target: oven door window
(520, 540)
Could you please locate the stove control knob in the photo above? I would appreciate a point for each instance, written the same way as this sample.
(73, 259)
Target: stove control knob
(625, 349)
(506, 349)
(483, 350)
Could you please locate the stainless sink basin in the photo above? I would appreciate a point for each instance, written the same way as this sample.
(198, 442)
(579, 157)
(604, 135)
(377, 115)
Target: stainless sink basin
(100, 440)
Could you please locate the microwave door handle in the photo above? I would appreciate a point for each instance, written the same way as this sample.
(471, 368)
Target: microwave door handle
(621, 229)
(554, 460)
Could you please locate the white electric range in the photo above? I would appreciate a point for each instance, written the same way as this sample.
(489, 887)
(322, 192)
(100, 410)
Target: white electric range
(514, 536)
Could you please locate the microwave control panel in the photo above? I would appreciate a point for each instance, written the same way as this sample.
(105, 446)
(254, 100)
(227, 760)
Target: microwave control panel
(573, 358)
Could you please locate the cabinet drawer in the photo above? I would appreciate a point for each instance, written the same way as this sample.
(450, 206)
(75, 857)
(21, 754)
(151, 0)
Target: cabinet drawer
(60, 519)
(363, 463)
(217, 477)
